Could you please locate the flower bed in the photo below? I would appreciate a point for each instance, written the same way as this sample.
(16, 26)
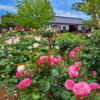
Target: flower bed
(46, 67)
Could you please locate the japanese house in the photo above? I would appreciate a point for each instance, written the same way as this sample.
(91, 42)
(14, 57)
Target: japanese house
(66, 24)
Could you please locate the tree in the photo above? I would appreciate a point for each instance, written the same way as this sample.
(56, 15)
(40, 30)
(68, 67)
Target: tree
(8, 20)
(90, 23)
(34, 13)
(90, 7)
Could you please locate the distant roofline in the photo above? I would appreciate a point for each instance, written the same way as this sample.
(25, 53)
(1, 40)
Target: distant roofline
(69, 17)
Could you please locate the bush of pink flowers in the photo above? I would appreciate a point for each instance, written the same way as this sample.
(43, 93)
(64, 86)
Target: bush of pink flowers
(36, 68)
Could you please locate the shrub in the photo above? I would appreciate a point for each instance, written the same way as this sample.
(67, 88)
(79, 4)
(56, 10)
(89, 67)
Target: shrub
(34, 68)
(92, 52)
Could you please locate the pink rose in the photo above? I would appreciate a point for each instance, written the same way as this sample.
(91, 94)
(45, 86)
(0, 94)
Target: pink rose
(73, 74)
(94, 72)
(49, 60)
(81, 47)
(94, 86)
(77, 48)
(24, 83)
(81, 89)
(76, 67)
(40, 61)
(19, 86)
(75, 32)
(19, 28)
(72, 54)
(73, 71)
(18, 74)
(79, 63)
(28, 74)
(76, 96)
(57, 61)
(16, 40)
(69, 84)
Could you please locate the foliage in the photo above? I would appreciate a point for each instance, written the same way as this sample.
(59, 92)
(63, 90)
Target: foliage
(47, 33)
(34, 13)
(69, 40)
(43, 63)
(0, 27)
(91, 23)
(90, 7)
(92, 51)
(8, 20)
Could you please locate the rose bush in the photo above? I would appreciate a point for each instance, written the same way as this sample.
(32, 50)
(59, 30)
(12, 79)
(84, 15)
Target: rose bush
(92, 53)
(37, 68)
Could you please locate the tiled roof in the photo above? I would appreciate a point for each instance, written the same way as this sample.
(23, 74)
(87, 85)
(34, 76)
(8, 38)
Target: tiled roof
(67, 20)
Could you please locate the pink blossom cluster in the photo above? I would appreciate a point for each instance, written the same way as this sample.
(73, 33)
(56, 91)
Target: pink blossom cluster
(72, 54)
(28, 74)
(49, 60)
(20, 74)
(24, 83)
(75, 32)
(11, 41)
(94, 86)
(16, 40)
(81, 89)
(78, 48)
(94, 72)
(74, 69)
(19, 28)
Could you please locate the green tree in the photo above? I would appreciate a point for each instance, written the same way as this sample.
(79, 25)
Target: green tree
(90, 7)
(8, 20)
(34, 13)
(91, 23)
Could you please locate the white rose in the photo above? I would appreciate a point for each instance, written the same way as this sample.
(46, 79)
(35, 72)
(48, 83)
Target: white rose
(21, 68)
(89, 35)
(2, 47)
(29, 47)
(9, 41)
(37, 38)
(35, 45)
(57, 47)
(47, 47)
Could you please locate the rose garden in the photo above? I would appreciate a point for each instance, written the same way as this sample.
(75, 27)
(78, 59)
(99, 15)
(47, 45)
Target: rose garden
(41, 64)
(50, 66)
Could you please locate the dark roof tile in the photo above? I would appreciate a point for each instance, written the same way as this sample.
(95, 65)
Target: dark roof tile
(67, 20)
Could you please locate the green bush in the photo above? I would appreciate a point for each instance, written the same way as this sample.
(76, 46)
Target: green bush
(48, 79)
(47, 33)
(67, 41)
(92, 52)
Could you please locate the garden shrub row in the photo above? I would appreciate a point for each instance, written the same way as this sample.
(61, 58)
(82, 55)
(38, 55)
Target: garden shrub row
(49, 67)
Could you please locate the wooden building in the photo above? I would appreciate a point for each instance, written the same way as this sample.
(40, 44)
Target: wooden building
(66, 24)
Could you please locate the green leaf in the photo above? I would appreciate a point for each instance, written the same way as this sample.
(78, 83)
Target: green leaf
(35, 96)
(65, 95)
(73, 98)
(55, 73)
(45, 85)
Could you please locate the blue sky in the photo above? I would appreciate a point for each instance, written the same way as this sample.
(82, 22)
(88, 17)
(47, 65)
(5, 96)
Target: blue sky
(61, 8)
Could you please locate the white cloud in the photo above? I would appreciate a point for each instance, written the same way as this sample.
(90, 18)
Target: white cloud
(66, 14)
(71, 14)
(8, 8)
